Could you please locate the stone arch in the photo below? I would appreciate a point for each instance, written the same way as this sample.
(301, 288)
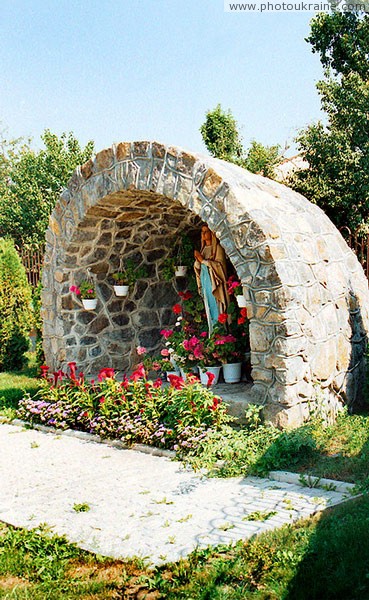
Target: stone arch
(307, 296)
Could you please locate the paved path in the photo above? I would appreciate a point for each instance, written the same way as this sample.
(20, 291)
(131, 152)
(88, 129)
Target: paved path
(140, 504)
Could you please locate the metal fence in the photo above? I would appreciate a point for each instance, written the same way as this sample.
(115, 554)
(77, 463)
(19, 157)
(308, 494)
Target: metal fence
(32, 261)
(359, 243)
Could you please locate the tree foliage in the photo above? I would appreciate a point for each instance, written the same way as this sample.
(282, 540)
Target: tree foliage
(220, 135)
(338, 154)
(222, 139)
(30, 183)
(15, 308)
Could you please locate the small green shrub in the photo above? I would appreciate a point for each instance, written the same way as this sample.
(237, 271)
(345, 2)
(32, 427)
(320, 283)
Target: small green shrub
(15, 308)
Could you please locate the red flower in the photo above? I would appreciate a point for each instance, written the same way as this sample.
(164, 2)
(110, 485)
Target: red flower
(223, 317)
(157, 383)
(177, 309)
(72, 367)
(241, 320)
(211, 378)
(216, 402)
(102, 399)
(139, 373)
(105, 374)
(185, 295)
(243, 313)
(44, 369)
(176, 381)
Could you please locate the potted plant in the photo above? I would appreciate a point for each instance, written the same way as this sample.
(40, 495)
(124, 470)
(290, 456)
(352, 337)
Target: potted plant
(127, 277)
(209, 363)
(121, 288)
(184, 257)
(86, 290)
(234, 287)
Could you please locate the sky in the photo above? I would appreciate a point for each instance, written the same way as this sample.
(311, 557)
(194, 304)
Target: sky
(115, 70)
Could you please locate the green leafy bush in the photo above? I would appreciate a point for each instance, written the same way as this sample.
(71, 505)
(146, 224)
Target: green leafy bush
(15, 308)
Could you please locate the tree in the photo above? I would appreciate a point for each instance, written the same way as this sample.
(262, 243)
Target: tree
(220, 135)
(338, 154)
(262, 159)
(30, 183)
(15, 308)
(222, 139)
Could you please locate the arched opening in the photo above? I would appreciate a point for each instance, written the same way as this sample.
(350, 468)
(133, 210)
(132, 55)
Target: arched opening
(305, 291)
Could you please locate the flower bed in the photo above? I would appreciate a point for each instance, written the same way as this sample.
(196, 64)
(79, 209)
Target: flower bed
(135, 410)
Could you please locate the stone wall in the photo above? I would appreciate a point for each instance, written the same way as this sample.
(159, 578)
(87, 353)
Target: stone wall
(306, 293)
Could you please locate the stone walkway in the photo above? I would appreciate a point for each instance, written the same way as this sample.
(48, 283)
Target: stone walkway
(139, 504)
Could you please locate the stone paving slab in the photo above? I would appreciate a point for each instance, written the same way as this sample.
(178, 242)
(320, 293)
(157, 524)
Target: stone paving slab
(142, 505)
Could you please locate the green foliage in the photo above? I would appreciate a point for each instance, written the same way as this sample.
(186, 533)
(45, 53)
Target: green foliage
(220, 135)
(337, 178)
(15, 308)
(31, 182)
(221, 138)
(81, 507)
(130, 273)
(262, 159)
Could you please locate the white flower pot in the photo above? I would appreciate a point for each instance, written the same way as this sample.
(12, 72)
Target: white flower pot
(241, 301)
(180, 271)
(232, 372)
(192, 371)
(176, 373)
(214, 370)
(89, 303)
(121, 290)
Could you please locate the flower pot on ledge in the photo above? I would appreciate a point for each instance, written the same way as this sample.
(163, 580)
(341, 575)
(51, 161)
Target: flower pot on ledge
(215, 370)
(121, 290)
(241, 301)
(181, 271)
(232, 372)
(89, 303)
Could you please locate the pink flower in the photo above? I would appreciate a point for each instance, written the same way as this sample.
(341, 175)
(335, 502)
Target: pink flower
(198, 352)
(164, 352)
(166, 333)
(75, 289)
(156, 366)
(203, 334)
(141, 350)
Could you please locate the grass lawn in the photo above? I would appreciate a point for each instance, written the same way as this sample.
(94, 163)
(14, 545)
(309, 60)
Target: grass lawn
(12, 388)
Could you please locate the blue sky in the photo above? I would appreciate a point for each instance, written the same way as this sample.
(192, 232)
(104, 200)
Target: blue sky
(150, 69)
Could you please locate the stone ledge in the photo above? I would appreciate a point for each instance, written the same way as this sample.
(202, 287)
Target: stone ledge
(317, 482)
(90, 437)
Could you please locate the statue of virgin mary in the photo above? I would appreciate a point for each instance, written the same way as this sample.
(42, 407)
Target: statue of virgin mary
(211, 276)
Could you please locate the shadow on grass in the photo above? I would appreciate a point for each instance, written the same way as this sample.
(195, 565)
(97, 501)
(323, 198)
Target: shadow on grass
(339, 451)
(335, 565)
